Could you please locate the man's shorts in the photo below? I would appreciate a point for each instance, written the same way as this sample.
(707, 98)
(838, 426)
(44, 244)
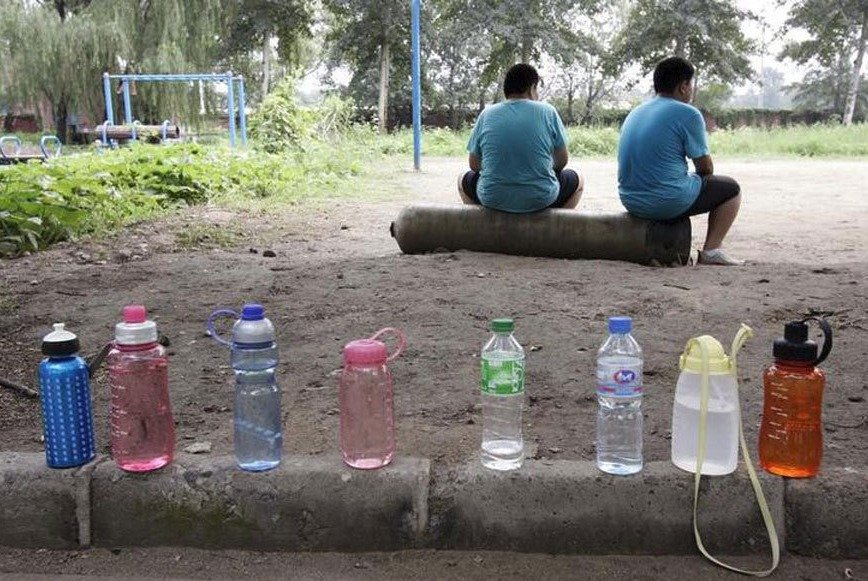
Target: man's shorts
(715, 191)
(567, 178)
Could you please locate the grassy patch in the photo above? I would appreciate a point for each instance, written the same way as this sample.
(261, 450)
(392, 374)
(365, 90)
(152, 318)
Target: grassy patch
(206, 236)
(797, 141)
(8, 301)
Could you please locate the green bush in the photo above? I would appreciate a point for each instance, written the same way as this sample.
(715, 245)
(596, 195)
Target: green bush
(41, 204)
(279, 124)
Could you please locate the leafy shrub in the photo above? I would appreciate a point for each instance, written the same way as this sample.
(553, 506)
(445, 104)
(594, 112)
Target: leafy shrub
(279, 124)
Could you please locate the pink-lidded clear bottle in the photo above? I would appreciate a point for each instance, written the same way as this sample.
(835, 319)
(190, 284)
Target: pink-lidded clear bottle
(367, 431)
(142, 427)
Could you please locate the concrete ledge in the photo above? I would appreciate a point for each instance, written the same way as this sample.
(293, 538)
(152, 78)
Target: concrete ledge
(37, 504)
(308, 503)
(570, 507)
(316, 503)
(827, 516)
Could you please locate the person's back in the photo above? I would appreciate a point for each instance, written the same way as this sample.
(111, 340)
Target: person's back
(515, 140)
(653, 178)
(518, 152)
(656, 139)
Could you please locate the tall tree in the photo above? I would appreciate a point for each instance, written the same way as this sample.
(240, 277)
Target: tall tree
(706, 32)
(253, 25)
(56, 51)
(589, 69)
(839, 35)
(371, 36)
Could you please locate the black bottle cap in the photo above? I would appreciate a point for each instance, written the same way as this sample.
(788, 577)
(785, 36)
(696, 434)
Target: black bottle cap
(60, 343)
(795, 345)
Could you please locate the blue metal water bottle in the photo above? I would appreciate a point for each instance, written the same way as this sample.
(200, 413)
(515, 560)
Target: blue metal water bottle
(64, 384)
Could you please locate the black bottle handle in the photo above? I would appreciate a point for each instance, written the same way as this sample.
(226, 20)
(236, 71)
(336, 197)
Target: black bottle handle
(827, 337)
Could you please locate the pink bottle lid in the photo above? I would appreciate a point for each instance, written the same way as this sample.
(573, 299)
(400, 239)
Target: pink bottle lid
(365, 352)
(370, 351)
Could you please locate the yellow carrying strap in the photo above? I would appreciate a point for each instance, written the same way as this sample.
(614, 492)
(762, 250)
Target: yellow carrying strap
(741, 338)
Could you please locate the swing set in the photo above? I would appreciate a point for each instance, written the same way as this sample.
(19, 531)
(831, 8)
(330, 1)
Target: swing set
(133, 130)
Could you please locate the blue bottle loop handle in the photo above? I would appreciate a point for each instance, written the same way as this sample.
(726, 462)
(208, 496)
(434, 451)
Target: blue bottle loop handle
(216, 315)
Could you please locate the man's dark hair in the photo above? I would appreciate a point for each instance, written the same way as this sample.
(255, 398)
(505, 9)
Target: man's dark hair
(671, 72)
(519, 79)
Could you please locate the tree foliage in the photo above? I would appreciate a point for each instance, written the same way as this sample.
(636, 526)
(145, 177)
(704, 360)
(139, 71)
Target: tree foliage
(835, 50)
(706, 32)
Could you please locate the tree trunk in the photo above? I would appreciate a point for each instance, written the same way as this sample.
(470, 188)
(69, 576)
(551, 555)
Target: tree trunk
(266, 65)
(59, 112)
(383, 107)
(679, 46)
(856, 74)
(571, 91)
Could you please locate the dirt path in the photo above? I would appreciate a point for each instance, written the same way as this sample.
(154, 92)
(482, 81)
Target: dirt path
(338, 276)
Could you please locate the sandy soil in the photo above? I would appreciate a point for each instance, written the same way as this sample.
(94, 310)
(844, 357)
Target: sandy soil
(183, 563)
(338, 276)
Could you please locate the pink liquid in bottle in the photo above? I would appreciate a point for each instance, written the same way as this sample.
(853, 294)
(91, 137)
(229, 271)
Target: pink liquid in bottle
(142, 427)
(367, 430)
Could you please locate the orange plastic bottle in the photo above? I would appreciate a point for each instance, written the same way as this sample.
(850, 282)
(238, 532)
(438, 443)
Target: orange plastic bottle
(791, 435)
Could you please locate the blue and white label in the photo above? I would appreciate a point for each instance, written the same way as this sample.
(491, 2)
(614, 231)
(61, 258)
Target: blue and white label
(619, 381)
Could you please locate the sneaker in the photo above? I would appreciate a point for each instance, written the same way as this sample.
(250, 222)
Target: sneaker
(718, 257)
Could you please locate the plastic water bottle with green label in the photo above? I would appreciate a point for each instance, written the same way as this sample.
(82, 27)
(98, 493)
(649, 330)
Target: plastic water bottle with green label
(502, 398)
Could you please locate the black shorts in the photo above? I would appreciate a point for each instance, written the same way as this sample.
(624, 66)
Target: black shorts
(567, 178)
(715, 191)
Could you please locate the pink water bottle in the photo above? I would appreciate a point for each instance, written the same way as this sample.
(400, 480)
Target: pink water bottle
(142, 428)
(367, 409)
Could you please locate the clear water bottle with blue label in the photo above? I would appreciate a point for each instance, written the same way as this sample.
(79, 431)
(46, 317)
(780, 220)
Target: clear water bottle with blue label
(64, 385)
(619, 393)
(258, 425)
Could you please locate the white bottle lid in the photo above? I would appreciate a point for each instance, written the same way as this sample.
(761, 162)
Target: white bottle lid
(135, 328)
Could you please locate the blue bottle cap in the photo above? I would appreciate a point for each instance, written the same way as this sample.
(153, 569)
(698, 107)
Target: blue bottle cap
(252, 312)
(620, 325)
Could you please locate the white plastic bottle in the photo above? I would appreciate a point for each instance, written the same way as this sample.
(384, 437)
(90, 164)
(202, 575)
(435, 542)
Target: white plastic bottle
(502, 398)
(619, 393)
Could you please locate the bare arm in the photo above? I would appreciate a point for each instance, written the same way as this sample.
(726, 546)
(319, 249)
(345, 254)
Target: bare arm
(704, 166)
(560, 156)
(474, 162)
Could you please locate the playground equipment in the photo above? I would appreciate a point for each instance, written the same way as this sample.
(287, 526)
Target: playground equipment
(233, 84)
(553, 233)
(49, 146)
(109, 134)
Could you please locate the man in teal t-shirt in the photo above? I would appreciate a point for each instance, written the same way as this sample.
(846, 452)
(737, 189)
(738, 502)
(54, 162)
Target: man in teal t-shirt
(518, 152)
(653, 178)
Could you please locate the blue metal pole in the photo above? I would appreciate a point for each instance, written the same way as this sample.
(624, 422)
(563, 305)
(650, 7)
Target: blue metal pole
(242, 105)
(128, 106)
(107, 93)
(417, 86)
(230, 97)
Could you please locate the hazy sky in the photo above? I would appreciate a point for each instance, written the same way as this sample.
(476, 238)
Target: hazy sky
(774, 17)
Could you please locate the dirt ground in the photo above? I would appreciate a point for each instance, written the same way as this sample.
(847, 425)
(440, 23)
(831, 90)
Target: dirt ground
(338, 276)
(183, 563)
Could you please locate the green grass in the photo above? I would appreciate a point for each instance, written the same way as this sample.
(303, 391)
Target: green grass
(797, 141)
(205, 236)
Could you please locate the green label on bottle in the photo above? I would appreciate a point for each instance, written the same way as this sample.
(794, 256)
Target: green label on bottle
(502, 377)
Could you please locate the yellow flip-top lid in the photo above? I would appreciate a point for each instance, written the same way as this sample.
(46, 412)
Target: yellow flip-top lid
(718, 361)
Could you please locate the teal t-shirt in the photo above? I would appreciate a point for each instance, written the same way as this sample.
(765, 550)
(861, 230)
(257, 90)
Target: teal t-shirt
(656, 139)
(515, 140)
